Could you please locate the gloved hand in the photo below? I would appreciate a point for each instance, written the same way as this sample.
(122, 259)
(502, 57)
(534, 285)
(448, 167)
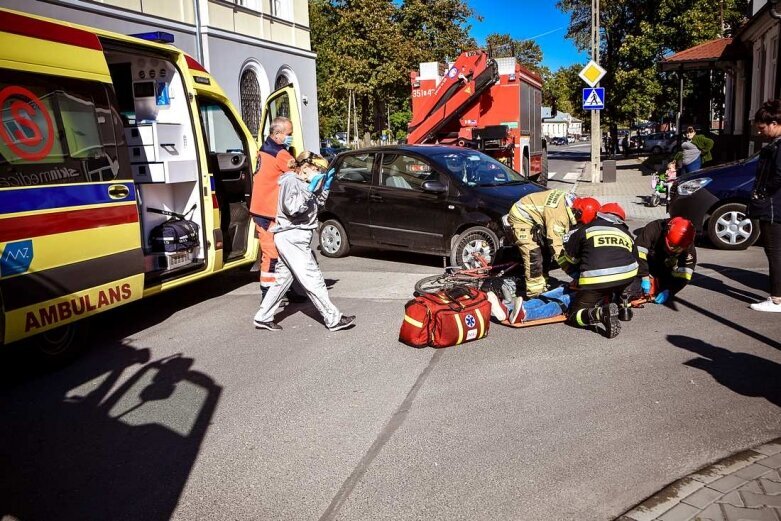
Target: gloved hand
(646, 285)
(316, 179)
(329, 177)
(662, 297)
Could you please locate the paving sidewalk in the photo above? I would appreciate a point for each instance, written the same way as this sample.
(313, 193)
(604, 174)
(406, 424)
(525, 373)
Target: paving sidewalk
(745, 486)
(631, 190)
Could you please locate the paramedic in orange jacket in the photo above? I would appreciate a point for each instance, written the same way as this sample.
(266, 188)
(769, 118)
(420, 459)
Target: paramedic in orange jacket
(273, 158)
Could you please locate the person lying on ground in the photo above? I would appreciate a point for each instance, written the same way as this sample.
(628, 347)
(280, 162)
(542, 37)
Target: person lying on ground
(516, 310)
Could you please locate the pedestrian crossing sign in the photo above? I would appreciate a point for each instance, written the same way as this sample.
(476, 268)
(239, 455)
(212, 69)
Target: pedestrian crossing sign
(594, 98)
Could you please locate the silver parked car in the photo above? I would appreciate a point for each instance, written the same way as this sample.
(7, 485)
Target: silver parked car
(660, 142)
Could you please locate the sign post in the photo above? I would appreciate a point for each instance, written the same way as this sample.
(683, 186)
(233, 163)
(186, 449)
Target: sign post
(594, 100)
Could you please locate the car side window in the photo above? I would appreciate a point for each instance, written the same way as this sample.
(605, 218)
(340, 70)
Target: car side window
(405, 172)
(356, 169)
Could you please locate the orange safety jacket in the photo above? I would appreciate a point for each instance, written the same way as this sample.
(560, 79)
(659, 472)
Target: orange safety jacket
(273, 160)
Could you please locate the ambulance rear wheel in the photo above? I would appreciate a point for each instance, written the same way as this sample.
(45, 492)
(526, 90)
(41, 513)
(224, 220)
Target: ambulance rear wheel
(60, 345)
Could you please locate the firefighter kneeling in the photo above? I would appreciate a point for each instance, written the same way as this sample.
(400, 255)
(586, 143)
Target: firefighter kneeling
(541, 220)
(601, 257)
(667, 258)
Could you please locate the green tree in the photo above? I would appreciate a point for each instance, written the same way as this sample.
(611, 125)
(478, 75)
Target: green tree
(636, 35)
(527, 52)
(369, 47)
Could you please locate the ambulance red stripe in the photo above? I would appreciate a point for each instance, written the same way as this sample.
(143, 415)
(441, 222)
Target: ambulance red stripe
(26, 26)
(29, 226)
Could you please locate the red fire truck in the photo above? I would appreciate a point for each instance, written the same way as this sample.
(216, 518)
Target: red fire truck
(490, 104)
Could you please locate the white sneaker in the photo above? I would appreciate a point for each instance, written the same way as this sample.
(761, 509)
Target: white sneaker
(767, 306)
(497, 309)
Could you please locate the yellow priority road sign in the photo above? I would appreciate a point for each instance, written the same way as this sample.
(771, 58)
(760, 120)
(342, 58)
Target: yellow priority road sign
(592, 73)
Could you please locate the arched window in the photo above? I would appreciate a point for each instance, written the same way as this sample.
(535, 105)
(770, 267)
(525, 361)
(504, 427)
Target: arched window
(251, 100)
(282, 80)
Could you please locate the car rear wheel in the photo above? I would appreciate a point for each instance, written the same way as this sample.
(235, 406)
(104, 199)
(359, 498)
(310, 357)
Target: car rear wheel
(474, 243)
(656, 150)
(730, 229)
(333, 239)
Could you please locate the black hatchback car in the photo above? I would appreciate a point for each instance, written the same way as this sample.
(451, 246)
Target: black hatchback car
(423, 198)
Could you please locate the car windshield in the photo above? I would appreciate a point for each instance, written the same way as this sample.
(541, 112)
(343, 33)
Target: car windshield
(476, 169)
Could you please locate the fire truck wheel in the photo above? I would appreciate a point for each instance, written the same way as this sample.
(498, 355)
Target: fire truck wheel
(333, 239)
(59, 346)
(543, 177)
(471, 243)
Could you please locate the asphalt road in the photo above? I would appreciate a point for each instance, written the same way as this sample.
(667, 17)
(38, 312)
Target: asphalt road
(183, 410)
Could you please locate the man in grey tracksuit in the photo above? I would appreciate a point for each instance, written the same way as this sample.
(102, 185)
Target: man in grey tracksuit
(296, 221)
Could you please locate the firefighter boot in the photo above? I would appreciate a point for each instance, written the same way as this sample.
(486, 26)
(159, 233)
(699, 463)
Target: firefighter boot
(610, 321)
(607, 316)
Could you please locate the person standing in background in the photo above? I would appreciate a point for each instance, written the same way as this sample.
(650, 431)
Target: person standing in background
(765, 204)
(695, 151)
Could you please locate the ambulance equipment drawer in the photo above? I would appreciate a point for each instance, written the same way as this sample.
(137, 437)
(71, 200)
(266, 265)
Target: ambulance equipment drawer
(168, 172)
(155, 142)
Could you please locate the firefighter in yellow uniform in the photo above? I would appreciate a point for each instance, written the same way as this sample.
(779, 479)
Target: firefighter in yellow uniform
(542, 219)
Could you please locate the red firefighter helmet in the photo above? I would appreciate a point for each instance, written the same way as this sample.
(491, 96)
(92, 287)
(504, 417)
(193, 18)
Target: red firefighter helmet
(585, 209)
(615, 209)
(680, 234)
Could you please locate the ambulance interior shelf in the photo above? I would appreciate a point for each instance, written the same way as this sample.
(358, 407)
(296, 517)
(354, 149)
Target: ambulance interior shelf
(161, 144)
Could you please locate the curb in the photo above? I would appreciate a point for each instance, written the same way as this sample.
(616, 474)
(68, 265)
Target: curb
(701, 491)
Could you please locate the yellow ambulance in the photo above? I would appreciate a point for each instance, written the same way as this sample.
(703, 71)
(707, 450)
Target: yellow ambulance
(103, 137)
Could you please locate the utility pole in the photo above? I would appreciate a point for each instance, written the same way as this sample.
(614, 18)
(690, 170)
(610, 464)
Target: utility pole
(596, 134)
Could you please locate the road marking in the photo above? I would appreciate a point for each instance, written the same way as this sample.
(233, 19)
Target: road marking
(571, 176)
(551, 175)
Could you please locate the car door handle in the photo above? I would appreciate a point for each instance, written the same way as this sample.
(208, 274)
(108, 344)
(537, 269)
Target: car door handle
(375, 197)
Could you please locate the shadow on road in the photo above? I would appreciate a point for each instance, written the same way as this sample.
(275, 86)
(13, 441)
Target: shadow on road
(750, 279)
(113, 436)
(718, 286)
(743, 373)
(724, 320)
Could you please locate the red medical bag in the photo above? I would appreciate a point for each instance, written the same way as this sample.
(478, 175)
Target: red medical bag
(446, 318)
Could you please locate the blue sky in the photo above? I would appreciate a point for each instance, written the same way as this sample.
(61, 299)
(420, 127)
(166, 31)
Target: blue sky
(523, 19)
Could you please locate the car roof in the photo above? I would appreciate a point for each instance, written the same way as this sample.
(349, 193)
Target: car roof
(420, 149)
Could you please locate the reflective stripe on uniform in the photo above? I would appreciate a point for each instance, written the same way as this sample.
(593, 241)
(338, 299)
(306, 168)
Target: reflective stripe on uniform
(683, 273)
(566, 259)
(595, 229)
(521, 214)
(609, 271)
(642, 252)
(412, 321)
(628, 272)
(580, 320)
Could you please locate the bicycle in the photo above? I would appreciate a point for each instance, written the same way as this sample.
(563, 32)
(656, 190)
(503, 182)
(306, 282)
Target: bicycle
(456, 276)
